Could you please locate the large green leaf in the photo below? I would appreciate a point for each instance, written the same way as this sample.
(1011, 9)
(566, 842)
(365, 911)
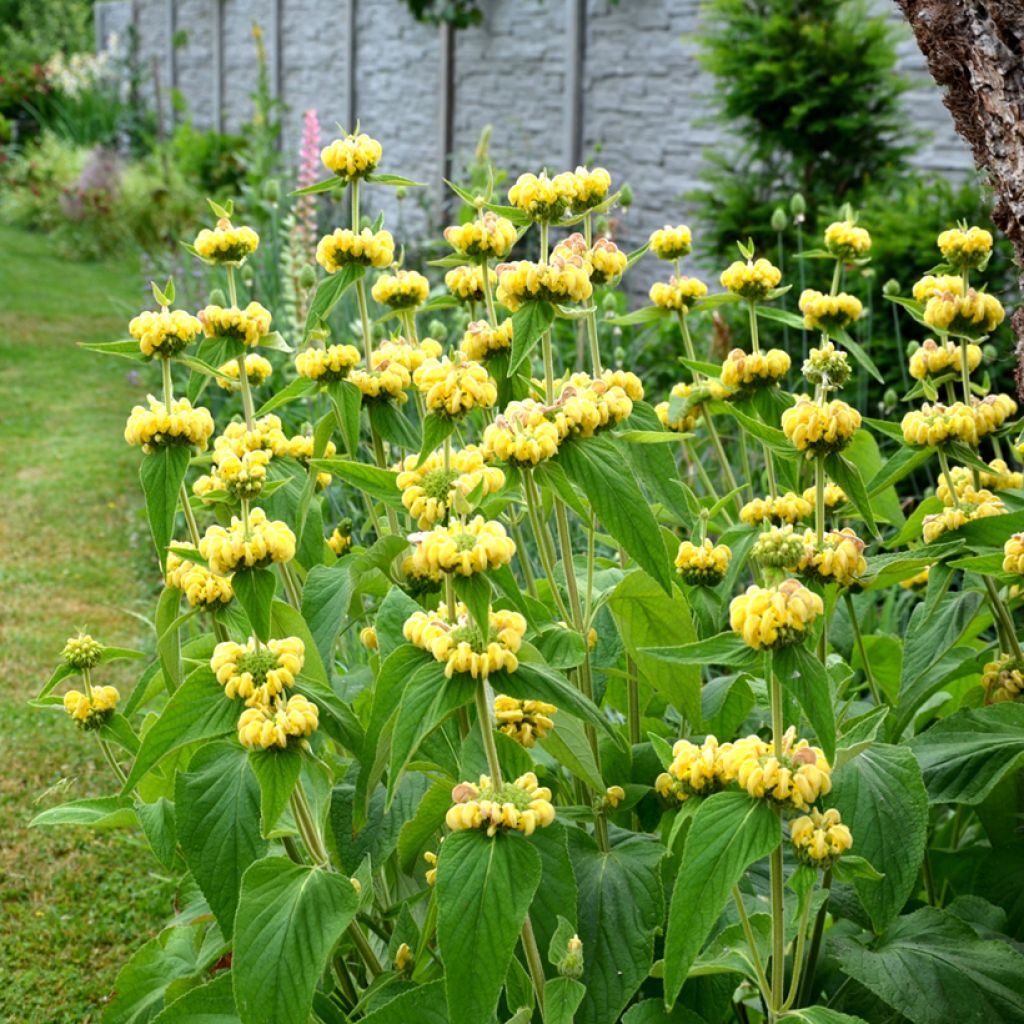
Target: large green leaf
(290, 917)
(212, 1003)
(804, 676)
(620, 909)
(197, 710)
(484, 888)
(277, 772)
(328, 293)
(101, 812)
(142, 982)
(722, 649)
(161, 475)
(729, 832)
(254, 589)
(655, 465)
(529, 322)
(562, 997)
(424, 1004)
(965, 756)
(882, 798)
(217, 811)
(848, 476)
(556, 895)
(645, 617)
(933, 968)
(347, 402)
(652, 1011)
(532, 680)
(596, 466)
(372, 480)
(821, 1015)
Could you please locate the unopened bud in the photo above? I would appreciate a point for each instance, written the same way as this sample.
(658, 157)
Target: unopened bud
(626, 196)
(272, 190)
(437, 330)
(890, 398)
(217, 297)
(307, 277)
(571, 965)
(989, 353)
(610, 305)
(798, 205)
(891, 287)
(779, 219)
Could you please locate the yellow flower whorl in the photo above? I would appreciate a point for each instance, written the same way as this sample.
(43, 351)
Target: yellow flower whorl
(973, 315)
(565, 278)
(834, 496)
(453, 388)
(525, 721)
(523, 435)
(481, 341)
(522, 806)
(786, 508)
(820, 429)
(352, 157)
(228, 549)
(386, 379)
(694, 771)
(202, 588)
(1013, 554)
(153, 428)
(403, 289)
(488, 236)
(951, 519)
(671, 243)
(846, 241)
(225, 244)
(965, 249)
(543, 198)
(465, 548)
(343, 246)
(772, 617)
(590, 188)
(411, 356)
(429, 491)
(677, 293)
(82, 652)
(748, 371)
(257, 672)
(326, 364)
(829, 312)
(838, 559)
(704, 564)
(165, 333)
(820, 838)
(257, 371)
(249, 325)
(266, 726)
(934, 360)
(467, 283)
(796, 781)
(94, 709)
(1003, 679)
(753, 279)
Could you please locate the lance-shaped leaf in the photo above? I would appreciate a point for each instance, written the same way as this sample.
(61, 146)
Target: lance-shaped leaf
(529, 323)
(161, 475)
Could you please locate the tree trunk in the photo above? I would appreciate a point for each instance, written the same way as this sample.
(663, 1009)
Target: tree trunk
(975, 52)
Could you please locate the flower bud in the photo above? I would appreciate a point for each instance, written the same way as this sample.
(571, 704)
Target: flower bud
(798, 206)
(272, 190)
(307, 277)
(217, 297)
(571, 964)
(436, 329)
(890, 398)
(626, 197)
(989, 353)
(779, 219)
(891, 287)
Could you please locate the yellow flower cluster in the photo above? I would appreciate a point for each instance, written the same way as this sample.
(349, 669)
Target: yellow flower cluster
(1003, 680)
(431, 873)
(614, 795)
(300, 448)
(165, 333)
(838, 559)
(248, 325)
(695, 770)
(368, 638)
(796, 780)
(481, 341)
(488, 236)
(465, 548)
(827, 367)
(1000, 479)
(929, 286)
(607, 262)
(467, 283)
(697, 394)
(257, 370)
(522, 435)
(525, 721)
(257, 672)
(386, 379)
(453, 388)
(937, 424)
(429, 490)
(753, 279)
(834, 496)
(462, 646)
(820, 838)
(677, 293)
(366, 249)
(340, 539)
(745, 371)
(327, 364)
(270, 725)
(820, 429)
(247, 546)
(933, 360)
(973, 315)
(411, 355)
(566, 278)
(93, 709)
(353, 156)
(951, 519)
(225, 243)
(671, 243)
(241, 476)
(965, 249)
(202, 588)
(401, 290)
(590, 188)
(266, 434)
(541, 197)
(154, 428)
(522, 806)
(585, 405)
(771, 617)
(704, 564)
(786, 508)
(829, 312)
(846, 241)
(779, 547)
(1013, 554)
(82, 651)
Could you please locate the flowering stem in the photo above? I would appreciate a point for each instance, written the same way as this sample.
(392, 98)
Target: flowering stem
(534, 962)
(483, 714)
(812, 953)
(595, 348)
(449, 597)
(291, 585)
(378, 455)
(232, 291)
(492, 316)
(307, 827)
(837, 274)
(543, 540)
(247, 403)
(165, 373)
(965, 373)
(778, 929)
(798, 955)
(190, 518)
(1002, 615)
(819, 499)
(859, 640)
(755, 956)
(524, 560)
(112, 761)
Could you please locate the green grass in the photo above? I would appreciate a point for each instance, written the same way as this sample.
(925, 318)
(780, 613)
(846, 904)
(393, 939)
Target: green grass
(74, 903)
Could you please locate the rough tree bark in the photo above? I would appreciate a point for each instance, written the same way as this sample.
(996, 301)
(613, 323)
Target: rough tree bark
(975, 51)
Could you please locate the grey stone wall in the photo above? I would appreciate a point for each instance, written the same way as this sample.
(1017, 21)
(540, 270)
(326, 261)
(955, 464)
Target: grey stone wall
(645, 102)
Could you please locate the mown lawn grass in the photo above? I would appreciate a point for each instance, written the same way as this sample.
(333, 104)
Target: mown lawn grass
(73, 554)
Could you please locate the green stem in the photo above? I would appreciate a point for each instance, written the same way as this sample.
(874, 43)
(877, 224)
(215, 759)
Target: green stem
(595, 348)
(534, 962)
(778, 929)
(798, 956)
(837, 276)
(291, 585)
(232, 290)
(190, 519)
(492, 315)
(378, 455)
(247, 403)
(1002, 614)
(543, 540)
(483, 714)
(812, 954)
(524, 557)
(308, 829)
(819, 499)
(165, 373)
(859, 640)
(748, 931)
(108, 754)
